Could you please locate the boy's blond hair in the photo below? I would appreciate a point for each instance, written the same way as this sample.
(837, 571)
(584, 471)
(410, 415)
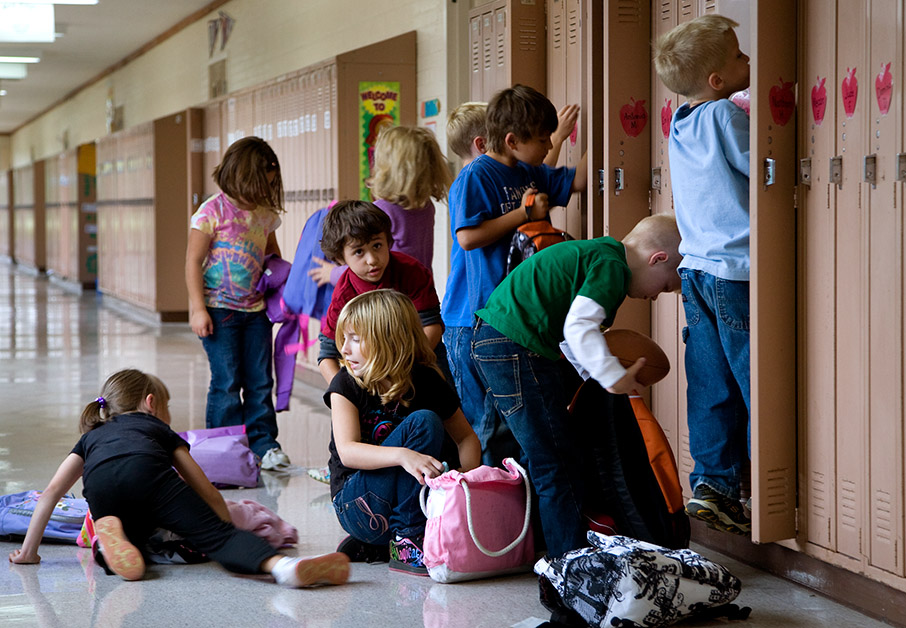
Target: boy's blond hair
(655, 233)
(686, 55)
(464, 124)
(409, 169)
(393, 342)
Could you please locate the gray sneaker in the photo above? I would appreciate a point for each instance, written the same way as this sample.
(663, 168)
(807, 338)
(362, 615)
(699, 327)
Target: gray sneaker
(719, 512)
(274, 459)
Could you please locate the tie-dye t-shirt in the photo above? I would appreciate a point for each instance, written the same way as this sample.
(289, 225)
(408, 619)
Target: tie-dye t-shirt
(238, 242)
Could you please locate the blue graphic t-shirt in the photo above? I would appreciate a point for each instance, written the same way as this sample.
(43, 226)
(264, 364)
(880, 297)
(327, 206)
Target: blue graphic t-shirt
(234, 262)
(377, 421)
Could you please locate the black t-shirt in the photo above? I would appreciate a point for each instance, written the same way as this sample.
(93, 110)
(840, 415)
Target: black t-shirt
(131, 434)
(377, 421)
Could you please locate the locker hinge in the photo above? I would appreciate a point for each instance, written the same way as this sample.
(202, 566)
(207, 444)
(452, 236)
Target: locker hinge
(795, 198)
(796, 519)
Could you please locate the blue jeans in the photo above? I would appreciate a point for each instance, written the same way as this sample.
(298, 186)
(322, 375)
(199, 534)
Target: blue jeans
(239, 354)
(717, 374)
(373, 504)
(471, 390)
(528, 392)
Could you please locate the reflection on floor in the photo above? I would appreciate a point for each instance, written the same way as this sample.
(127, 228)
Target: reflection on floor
(55, 350)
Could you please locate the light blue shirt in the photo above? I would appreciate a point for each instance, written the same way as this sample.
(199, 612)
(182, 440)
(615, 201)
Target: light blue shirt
(709, 171)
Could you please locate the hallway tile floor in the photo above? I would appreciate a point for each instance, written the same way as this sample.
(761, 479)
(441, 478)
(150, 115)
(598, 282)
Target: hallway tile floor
(56, 347)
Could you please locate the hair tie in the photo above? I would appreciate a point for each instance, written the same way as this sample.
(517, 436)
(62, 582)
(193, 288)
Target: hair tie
(101, 402)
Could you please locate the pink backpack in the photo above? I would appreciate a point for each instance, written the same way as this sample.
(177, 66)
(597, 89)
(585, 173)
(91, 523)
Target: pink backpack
(479, 523)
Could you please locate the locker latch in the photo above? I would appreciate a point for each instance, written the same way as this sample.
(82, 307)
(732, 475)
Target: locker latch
(836, 171)
(770, 171)
(901, 167)
(655, 178)
(602, 181)
(870, 170)
(618, 180)
(805, 171)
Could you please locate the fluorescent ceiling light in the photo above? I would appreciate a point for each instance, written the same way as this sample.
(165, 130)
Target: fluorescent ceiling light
(2, 92)
(56, 1)
(26, 22)
(13, 71)
(18, 59)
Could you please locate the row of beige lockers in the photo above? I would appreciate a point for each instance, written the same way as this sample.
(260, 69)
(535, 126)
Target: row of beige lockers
(48, 215)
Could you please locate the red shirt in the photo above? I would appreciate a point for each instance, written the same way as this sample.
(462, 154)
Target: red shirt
(403, 273)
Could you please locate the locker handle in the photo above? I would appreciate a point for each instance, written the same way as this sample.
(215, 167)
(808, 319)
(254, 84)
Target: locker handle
(870, 170)
(836, 171)
(770, 171)
(805, 172)
(901, 167)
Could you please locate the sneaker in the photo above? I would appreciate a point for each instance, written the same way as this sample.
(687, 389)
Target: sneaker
(121, 556)
(321, 474)
(307, 572)
(719, 512)
(361, 552)
(406, 555)
(274, 459)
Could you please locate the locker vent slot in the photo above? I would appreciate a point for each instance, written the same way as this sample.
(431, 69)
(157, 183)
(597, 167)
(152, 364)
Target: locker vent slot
(573, 22)
(476, 47)
(778, 491)
(666, 11)
(710, 6)
(529, 32)
(882, 516)
(486, 41)
(687, 9)
(557, 32)
(629, 12)
(818, 503)
(848, 504)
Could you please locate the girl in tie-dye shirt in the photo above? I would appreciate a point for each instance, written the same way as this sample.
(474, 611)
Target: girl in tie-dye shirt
(231, 234)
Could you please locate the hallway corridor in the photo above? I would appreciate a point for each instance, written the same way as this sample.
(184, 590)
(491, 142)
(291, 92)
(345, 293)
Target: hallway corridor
(57, 347)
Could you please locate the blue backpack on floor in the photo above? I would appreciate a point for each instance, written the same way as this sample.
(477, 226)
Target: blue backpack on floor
(65, 523)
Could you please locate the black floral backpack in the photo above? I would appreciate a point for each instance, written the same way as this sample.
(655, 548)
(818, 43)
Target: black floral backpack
(620, 581)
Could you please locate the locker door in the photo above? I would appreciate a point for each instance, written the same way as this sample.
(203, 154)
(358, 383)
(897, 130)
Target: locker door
(667, 312)
(852, 275)
(885, 338)
(502, 53)
(773, 275)
(488, 70)
(817, 228)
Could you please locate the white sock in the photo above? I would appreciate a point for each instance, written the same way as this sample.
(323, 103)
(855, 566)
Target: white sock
(285, 572)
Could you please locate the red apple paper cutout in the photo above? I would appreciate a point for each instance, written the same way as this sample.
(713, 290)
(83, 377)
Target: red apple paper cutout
(819, 101)
(666, 117)
(884, 88)
(850, 92)
(782, 102)
(573, 136)
(633, 117)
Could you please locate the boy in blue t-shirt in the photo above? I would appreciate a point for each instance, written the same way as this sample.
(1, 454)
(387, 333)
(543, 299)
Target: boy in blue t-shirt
(709, 168)
(503, 146)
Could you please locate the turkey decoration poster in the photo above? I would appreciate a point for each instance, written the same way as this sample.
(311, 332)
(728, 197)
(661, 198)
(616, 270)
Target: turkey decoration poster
(379, 107)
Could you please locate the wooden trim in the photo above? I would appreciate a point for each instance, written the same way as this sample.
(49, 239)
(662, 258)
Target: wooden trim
(167, 34)
(863, 594)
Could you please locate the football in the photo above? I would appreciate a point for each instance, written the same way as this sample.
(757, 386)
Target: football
(629, 346)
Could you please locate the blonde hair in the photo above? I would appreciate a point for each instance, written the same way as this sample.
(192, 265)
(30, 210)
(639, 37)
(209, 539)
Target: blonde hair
(123, 392)
(242, 173)
(392, 339)
(655, 233)
(464, 124)
(686, 55)
(409, 168)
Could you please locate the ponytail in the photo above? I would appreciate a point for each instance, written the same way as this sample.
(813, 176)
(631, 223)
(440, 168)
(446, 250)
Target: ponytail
(123, 392)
